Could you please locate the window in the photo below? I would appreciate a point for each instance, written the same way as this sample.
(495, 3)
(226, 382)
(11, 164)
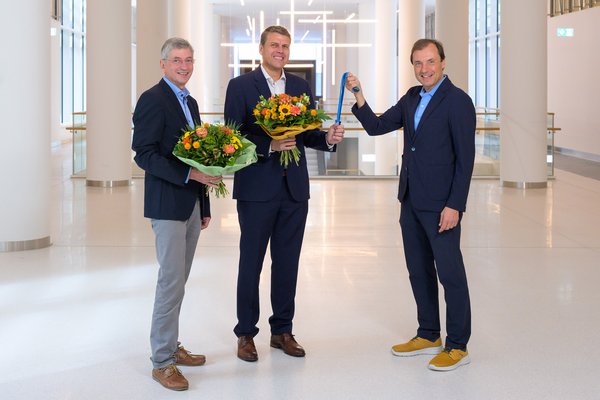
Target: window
(484, 52)
(72, 59)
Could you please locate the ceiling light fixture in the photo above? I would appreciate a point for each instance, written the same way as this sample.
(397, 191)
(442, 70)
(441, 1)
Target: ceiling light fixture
(307, 12)
(254, 65)
(341, 21)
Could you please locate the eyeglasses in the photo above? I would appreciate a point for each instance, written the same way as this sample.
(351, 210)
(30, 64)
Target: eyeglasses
(179, 61)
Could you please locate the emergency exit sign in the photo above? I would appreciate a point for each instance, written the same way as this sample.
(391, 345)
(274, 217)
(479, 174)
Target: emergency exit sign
(565, 32)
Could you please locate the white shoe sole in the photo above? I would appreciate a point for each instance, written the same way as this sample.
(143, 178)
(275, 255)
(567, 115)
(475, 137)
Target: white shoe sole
(430, 351)
(464, 361)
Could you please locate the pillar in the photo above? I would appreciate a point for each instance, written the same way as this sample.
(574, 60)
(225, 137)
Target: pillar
(523, 96)
(151, 33)
(108, 93)
(452, 29)
(179, 19)
(25, 129)
(411, 27)
(387, 159)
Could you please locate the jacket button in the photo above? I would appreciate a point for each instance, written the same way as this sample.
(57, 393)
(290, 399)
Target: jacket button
(412, 149)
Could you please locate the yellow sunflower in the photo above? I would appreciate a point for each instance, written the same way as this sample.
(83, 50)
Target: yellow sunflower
(284, 110)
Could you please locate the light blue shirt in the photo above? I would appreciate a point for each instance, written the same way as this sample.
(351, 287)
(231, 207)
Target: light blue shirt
(182, 95)
(425, 99)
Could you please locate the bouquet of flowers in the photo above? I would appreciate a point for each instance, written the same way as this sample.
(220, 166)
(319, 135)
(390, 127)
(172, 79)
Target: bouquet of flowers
(282, 116)
(215, 149)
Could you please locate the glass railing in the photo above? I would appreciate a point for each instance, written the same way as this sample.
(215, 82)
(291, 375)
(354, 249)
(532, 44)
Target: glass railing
(361, 155)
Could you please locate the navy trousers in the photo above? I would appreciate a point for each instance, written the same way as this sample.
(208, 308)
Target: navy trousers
(280, 221)
(431, 255)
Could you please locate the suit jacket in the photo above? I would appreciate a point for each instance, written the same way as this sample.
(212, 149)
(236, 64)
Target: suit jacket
(262, 180)
(437, 161)
(158, 122)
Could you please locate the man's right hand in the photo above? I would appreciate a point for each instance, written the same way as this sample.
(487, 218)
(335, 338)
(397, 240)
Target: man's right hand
(352, 82)
(208, 180)
(283, 144)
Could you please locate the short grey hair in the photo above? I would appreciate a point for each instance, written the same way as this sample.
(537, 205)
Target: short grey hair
(174, 43)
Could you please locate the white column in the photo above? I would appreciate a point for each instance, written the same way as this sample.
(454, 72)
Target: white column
(411, 27)
(179, 19)
(151, 33)
(58, 133)
(452, 29)
(367, 73)
(205, 38)
(386, 78)
(25, 128)
(108, 93)
(523, 96)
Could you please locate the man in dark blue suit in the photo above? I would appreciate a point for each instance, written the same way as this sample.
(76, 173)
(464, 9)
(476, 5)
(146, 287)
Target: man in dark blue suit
(439, 151)
(176, 201)
(272, 202)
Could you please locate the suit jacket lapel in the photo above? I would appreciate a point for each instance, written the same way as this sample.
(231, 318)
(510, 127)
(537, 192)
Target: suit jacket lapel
(173, 103)
(193, 105)
(433, 103)
(261, 83)
(410, 124)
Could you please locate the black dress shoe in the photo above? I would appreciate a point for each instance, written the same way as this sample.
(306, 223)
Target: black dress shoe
(288, 344)
(246, 349)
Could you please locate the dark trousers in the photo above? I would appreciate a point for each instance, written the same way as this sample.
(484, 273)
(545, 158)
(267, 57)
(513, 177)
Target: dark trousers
(280, 221)
(430, 255)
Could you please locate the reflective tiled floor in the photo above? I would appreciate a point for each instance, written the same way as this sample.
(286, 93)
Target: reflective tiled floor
(74, 317)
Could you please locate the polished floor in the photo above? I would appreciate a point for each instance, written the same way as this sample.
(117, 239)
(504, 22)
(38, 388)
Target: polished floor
(74, 317)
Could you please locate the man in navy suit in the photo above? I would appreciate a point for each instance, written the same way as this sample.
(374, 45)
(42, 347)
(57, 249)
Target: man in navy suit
(272, 202)
(176, 201)
(439, 151)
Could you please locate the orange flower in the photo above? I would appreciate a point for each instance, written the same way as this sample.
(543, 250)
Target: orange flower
(187, 146)
(228, 149)
(313, 112)
(196, 145)
(201, 132)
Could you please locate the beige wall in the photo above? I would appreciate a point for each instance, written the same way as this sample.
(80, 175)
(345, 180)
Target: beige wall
(574, 82)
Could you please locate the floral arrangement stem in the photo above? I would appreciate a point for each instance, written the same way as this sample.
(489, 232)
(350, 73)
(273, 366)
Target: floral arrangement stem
(289, 155)
(220, 190)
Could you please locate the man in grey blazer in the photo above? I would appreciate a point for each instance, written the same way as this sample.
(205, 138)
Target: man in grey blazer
(174, 199)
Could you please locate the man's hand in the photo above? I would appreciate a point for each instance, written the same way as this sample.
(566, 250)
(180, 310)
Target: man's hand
(204, 223)
(352, 82)
(335, 134)
(208, 180)
(283, 144)
(448, 219)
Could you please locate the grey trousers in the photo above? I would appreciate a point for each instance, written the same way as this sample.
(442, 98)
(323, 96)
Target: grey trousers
(175, 247)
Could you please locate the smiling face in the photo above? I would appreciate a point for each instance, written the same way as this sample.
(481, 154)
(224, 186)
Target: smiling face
(428, 66)
(178, 66)
(275, 53)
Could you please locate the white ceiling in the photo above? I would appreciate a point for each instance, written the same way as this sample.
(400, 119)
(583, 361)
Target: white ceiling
(237, 14)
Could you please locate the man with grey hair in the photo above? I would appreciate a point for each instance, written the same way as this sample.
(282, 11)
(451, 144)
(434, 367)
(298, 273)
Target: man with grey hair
(174, 199)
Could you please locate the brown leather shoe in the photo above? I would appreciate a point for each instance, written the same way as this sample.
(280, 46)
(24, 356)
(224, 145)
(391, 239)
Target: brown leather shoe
(246, 349)
(288, 344)
(184, 357)
(170, 377)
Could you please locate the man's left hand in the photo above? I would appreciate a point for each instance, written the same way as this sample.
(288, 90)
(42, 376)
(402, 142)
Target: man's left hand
(448, 219)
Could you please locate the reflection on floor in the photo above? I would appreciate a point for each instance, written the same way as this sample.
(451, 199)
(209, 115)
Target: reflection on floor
(75, 316)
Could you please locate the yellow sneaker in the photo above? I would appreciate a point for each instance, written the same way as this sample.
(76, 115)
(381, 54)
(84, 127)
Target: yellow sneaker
(449, 359)
(417, 346)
